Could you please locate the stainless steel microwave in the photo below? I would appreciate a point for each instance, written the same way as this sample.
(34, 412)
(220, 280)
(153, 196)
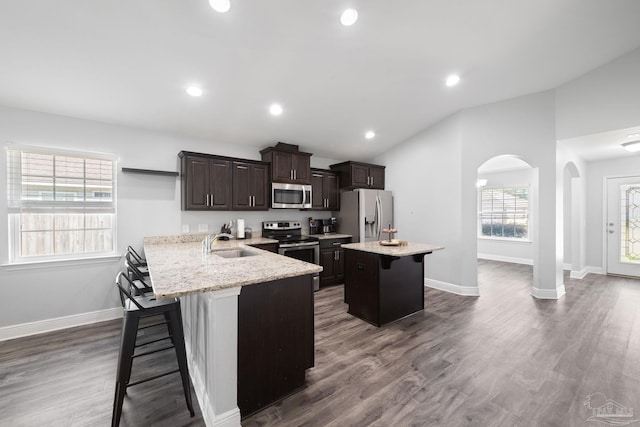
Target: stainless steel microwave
(290, 196)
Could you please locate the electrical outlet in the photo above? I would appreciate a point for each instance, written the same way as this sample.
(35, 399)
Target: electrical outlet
(185, 228)
(203, 228)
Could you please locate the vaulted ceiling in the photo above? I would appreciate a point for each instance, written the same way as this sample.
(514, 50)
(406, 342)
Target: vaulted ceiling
(129, 62)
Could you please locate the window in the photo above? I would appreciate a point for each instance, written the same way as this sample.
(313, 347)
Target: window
(61, 204)
(504, 212)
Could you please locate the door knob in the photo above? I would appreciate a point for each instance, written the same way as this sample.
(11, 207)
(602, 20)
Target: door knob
(611, 231)
(611, 224)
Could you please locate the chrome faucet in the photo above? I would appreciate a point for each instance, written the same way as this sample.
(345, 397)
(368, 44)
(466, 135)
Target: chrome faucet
(208, 241)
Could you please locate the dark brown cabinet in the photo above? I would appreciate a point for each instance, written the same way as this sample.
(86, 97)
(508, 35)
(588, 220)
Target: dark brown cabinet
(332, 260)
(360, 175)
(380, 288)
(250, 186)
(206, 183)
(291, 167)
(223, 183)
(275, 340)
(325, 190)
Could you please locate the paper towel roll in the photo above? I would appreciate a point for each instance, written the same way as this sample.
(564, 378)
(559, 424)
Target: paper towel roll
(240, 226)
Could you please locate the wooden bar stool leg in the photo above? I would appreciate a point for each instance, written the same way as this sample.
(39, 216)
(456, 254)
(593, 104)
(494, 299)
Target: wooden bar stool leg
(125, 360)
(181, 354)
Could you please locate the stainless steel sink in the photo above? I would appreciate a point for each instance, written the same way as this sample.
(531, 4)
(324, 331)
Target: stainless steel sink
(234, 253)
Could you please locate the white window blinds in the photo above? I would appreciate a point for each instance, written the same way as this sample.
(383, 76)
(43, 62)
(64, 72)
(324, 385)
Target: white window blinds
(60, 204)
(504, 212)
(45, 181)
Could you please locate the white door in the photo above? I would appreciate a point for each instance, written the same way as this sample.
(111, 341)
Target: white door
(623, 226)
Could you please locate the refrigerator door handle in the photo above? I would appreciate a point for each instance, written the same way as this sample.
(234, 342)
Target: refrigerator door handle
(379, 215)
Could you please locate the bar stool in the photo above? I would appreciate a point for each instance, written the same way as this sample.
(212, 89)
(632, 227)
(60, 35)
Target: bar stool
(140, 280)
(134, 259)
(136, 308)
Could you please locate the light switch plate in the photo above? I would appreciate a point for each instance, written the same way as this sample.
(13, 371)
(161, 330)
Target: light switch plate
(185, 228)
(203, 228)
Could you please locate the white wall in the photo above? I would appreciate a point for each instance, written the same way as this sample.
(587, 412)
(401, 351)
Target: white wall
(595, 222)
(424, 175)
(602, 100)
(433, 176)
(146, 205)
(510, 250)
(524, 127)
(573, 170)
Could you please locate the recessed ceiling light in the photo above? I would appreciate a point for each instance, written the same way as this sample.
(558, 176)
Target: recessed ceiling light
(194, 91)
(632, 146)
(349, 17)
(633, 135)
(453, 80)
(221, 6)
(369, 134)
(275, 109)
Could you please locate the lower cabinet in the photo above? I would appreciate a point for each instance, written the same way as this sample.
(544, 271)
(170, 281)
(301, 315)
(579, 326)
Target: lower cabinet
(332, 260)
(275, 340)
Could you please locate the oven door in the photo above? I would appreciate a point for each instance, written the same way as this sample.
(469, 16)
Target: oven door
(291, 196)
(308, 252)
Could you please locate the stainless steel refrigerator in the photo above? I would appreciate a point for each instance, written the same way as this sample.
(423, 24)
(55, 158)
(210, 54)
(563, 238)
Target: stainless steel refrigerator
(365, 213)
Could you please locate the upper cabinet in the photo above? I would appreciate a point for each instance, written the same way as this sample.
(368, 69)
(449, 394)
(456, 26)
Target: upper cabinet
(287, 164)
(325, 190)
(250, 186)
(223, 183)
(359, 175)
(206, 183)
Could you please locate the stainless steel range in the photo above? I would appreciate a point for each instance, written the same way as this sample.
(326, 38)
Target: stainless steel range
(293, 244)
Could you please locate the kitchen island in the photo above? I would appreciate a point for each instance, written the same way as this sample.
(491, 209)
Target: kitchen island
(247, 316)
(384, 283)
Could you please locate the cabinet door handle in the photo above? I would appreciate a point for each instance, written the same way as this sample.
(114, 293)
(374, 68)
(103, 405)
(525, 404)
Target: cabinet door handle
(254, 201)
(337, 243)
(207, 202)
(211, 201)
(242, 167)
(335, 255)
(372, 181)
(291, 174)
(338, 253)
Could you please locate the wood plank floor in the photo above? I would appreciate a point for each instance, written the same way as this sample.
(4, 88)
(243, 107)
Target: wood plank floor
(501, 359)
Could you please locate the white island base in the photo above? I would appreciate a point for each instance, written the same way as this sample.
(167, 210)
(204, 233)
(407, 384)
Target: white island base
(211, 339)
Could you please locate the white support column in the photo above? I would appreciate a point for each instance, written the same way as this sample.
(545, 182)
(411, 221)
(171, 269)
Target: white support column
(211, 337)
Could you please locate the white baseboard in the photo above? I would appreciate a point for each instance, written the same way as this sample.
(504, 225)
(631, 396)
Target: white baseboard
(548, 293)
(595, 270)
(49, 325)
(510, 259)
(469, 291)
(578, 274)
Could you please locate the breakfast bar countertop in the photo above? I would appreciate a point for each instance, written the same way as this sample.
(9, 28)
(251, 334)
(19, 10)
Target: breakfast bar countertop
(409, 249)
(178, 267)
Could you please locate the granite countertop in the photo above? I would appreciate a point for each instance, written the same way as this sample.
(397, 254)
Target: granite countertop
(331, 236)
(376, 248)
(178, 267)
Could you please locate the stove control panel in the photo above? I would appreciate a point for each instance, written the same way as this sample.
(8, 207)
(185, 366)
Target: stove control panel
(281, 225)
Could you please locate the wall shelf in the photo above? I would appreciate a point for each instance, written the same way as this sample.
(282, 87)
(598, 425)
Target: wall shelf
(150, 172)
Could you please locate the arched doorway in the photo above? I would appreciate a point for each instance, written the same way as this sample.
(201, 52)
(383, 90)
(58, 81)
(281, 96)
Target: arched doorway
(507, 212)
(572, 221)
